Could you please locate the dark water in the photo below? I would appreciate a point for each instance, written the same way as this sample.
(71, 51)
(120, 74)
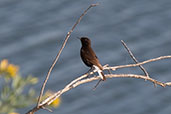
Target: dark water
(31, 33)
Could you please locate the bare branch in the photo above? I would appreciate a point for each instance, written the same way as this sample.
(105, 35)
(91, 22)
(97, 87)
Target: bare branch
(97, 84)
(57, 57)
(81, 80)
(141, 63)
(50, 99)
(133, 57)
(45, 108)
(168, 83)
(55, 60)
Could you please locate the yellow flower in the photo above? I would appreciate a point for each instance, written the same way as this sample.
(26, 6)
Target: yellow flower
(9, 69)
(3, 64)
(56, 102)
(12, 70)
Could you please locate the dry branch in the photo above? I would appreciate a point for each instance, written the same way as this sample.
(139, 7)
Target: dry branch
(56, 59)
(60, 51)
(82, 79)
(140, 63)
(133, 57)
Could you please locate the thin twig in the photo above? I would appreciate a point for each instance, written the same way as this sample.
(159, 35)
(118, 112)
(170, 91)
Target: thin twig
(97, 84)
(50, 99)
(109, 71)
(45, 108)
(140, 63)
(57, 57)
(133, 57)
(81, 80)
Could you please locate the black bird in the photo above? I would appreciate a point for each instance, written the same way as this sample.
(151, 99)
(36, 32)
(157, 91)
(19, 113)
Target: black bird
(89, 57)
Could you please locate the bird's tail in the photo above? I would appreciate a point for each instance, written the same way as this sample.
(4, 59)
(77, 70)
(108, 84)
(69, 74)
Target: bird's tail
(100, 72)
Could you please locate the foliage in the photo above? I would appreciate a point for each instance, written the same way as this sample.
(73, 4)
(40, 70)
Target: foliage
(15, 92)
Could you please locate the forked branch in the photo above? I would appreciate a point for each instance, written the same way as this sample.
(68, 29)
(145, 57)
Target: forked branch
(38, 106)
(60, 51)
(82, 79)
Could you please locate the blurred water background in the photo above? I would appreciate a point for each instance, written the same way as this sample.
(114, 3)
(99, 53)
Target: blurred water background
(31, 33)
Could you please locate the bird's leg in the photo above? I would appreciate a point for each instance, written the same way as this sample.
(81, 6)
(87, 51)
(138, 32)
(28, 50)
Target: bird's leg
(89, 71)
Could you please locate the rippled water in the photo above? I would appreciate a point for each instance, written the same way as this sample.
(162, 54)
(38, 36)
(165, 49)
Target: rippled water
(31, 33)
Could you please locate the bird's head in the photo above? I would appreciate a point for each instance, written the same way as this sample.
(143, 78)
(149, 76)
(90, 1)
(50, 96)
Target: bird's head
(85, 41)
